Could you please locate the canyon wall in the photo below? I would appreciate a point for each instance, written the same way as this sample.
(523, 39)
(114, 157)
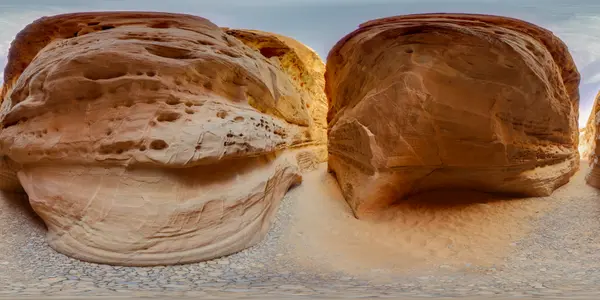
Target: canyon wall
(587, 135)
(589, 143)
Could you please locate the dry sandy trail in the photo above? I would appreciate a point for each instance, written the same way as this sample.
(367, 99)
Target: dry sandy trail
(439, 244)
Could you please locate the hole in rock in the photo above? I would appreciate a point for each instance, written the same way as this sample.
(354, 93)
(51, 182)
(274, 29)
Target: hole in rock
(222, 114)
(158, 145)
(118, 147)
(168, 116)
(103, 73)
(169, 52)
(173, 101)
(269, 52)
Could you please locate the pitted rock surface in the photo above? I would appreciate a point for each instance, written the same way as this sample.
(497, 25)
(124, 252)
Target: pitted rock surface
(151, 138)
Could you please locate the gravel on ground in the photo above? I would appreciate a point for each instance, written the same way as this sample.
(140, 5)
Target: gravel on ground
(559, 259)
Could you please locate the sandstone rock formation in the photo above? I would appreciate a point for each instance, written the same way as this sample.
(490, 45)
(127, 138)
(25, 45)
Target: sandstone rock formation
(153, 138)
(8, 173)
(437, 101)
(588, 144)
(307, 71)
(9, 182)
(588, 134)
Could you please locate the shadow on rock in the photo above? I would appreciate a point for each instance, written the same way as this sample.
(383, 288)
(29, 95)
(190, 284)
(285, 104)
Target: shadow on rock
(17, 205)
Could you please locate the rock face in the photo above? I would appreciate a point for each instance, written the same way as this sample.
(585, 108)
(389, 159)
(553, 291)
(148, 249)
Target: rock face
(588, 144)
(587, 135)
(9, 182)
(8, 173)
(307, 72)
(153, 138)
(438, 101)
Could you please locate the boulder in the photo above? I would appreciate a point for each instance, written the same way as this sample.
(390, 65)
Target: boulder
(152, 138)
(450, 101)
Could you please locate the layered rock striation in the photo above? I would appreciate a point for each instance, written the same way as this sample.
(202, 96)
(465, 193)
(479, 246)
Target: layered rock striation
(588, 144)
(588, 134)
(154, 138)
(438, 101)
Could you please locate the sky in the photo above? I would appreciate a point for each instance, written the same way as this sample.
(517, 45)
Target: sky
(321, 23)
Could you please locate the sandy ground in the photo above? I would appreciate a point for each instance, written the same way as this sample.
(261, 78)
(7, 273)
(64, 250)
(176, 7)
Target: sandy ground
(442, 227)
(440, 244)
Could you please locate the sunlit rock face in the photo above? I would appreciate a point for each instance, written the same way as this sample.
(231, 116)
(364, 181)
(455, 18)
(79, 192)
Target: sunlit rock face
(306, 69)
(588, 144)
(588, 134)
(437, 101)
(153, 138)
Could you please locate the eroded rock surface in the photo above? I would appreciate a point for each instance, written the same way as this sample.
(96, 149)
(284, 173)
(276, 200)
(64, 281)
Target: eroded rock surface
(436, 101)
(9, 182)
(588, 144)
(306, 69)
(588, 134)
(152, 138)
(8, 173)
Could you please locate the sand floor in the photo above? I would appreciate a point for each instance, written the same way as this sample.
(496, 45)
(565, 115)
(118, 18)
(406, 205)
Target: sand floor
(439, 244)
(442, 227)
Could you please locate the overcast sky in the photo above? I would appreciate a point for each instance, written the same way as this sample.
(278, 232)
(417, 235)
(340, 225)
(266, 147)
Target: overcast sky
(321, 23)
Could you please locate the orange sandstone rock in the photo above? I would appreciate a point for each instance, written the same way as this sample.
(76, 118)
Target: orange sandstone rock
(588, 144)
(588, 134)
(306, 69)
(439, 101)
(152, 138)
